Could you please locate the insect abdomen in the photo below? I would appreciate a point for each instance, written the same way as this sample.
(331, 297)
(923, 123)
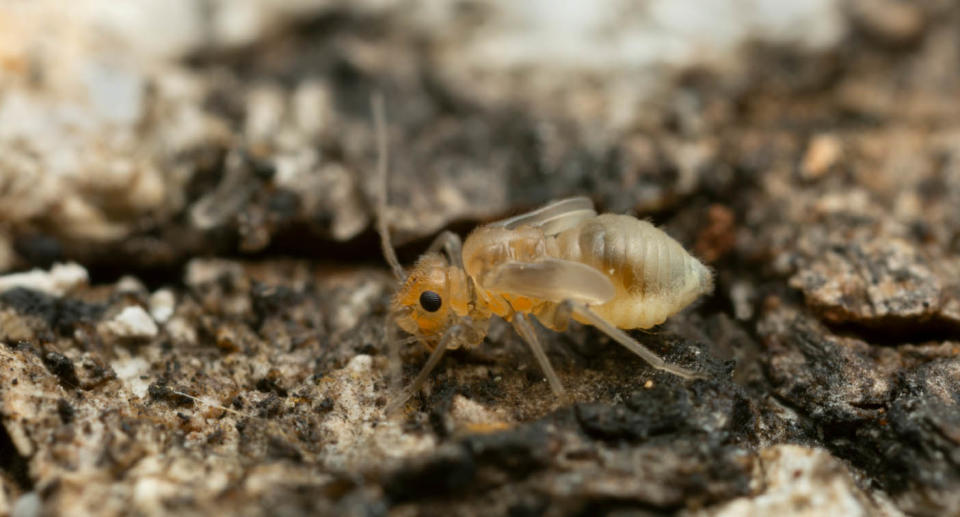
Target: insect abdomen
(653, 274)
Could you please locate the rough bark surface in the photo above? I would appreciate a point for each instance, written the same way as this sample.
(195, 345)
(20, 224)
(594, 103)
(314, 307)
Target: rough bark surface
(192, 306)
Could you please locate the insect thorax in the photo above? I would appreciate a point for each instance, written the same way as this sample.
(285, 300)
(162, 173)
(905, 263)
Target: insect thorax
(488, 247)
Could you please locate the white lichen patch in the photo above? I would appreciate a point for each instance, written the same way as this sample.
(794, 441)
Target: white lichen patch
(27, 505)
(130, 284)
(180, 330)
(205, 271)
(132, 322)
(348, 314)
(162, 304)
(61, 279)
(358, 432)
(130, 370)
(471, 416)
(36, 406)
(264, 478)
(161, 479)
(801, 481)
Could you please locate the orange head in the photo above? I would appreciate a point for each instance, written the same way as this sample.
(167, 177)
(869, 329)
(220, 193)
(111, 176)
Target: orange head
(432, 298)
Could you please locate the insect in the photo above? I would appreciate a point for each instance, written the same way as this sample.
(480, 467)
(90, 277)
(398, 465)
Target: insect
(560, 262)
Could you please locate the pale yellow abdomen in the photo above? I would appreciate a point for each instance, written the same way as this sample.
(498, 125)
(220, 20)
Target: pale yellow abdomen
(653, 274)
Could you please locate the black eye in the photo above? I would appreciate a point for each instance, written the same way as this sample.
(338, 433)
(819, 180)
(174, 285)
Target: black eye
(430, 301)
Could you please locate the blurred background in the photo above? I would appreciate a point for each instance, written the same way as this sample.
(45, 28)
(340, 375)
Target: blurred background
(137, 134)
(217, 344)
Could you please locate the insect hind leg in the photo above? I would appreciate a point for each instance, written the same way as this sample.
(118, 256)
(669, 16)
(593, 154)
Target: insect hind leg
(582, 312)
(529, 334)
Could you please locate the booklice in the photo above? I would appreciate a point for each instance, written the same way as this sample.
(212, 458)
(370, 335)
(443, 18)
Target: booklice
(560, 262)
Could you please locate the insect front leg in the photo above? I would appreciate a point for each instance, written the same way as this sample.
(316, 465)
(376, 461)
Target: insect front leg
(583, 312)
(448, 338)
(529, 334)
(450, 243)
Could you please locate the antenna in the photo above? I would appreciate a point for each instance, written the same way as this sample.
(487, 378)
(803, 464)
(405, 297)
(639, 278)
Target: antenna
(380, 123)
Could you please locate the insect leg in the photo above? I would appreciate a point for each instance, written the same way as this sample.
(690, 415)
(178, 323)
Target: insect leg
(421, 377)
(394, 344)
(584, 313)
(451, 244)
(529, 334)
(393, 350)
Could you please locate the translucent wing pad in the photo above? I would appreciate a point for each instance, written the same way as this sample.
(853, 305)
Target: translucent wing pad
(554, 217)
(552, 280)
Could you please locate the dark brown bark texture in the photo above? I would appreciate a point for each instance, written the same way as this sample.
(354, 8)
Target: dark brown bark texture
(227, 353)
